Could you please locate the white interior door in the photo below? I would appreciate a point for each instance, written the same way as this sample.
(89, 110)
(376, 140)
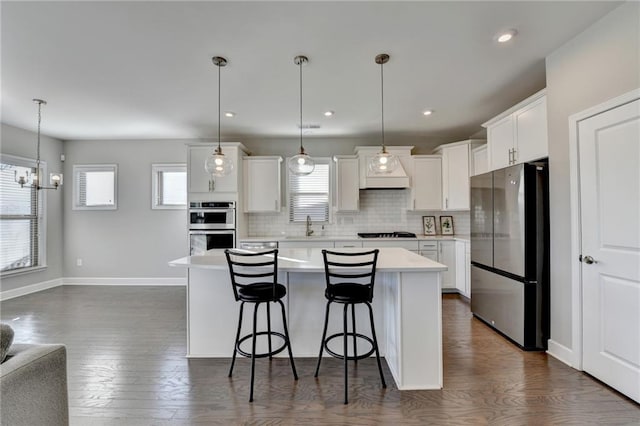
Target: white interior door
(609, 152)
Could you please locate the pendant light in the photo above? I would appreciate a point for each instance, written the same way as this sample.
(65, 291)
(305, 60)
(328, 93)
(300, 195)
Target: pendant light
(217, 164)
(34, 178)
(302, 163)
(383, 162)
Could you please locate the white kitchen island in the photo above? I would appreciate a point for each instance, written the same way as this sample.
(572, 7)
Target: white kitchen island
(407, 308)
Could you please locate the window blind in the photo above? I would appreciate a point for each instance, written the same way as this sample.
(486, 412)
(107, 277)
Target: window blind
(18, 220)
(309, 194)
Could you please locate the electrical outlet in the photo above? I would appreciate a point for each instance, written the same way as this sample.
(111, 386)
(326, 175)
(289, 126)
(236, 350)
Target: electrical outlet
(78, 262)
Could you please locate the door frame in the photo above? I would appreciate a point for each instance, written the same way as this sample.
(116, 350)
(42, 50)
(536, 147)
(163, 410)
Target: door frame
(576, 225)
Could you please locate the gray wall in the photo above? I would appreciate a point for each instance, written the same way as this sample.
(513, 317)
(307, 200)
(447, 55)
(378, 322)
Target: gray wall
(133, 241)
(599, 64)
(22, 143)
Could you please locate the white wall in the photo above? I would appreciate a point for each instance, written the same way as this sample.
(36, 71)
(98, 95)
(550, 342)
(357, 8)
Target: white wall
(22, 143)
(133, 241)
(599, 64)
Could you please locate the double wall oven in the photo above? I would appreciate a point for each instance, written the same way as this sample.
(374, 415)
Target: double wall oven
(212, 225)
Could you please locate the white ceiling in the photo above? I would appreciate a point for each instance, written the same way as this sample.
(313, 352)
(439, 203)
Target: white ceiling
(142, 70)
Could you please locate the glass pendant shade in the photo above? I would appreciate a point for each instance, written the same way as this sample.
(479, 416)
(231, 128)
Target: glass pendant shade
(217, 164)
(383, 162)
(301, 164)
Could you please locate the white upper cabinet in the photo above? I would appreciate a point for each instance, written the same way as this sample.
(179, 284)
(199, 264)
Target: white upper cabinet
(456, 159)
(347, 183)
(426, 183)
(519, 134)
(201, 181)
(262, 183)
(479, 160)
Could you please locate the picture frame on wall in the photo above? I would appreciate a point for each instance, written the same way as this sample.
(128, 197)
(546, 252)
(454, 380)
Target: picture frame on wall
(446, 225)
(429, 225)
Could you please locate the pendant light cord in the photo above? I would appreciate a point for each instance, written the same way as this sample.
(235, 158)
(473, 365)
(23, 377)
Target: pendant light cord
(382, 102)
(301, 147)
(38, 146)
(219, 150)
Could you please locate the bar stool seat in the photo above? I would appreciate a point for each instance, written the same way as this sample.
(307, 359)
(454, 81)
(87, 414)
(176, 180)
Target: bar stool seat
(249, 273)
(262, 292)
(350, 277)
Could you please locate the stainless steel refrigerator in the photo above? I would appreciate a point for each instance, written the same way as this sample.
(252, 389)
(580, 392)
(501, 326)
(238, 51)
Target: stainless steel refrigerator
(510, 252)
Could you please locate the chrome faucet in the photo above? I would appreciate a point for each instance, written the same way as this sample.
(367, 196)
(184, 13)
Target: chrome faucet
(309, 230)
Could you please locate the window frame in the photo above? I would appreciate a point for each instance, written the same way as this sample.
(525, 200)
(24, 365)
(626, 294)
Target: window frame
(318, 160)
(156, 168)
(78, 168)
(42, 215)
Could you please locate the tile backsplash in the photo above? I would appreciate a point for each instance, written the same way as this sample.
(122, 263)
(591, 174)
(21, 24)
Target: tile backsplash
(381, 210)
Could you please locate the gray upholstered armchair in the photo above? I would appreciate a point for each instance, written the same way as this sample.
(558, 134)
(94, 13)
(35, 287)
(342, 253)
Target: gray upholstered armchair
(33, 386)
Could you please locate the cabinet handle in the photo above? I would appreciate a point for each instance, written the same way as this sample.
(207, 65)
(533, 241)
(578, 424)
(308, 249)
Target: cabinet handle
(446, 203)
(510, 152)
(414, 203)
(515, 160)
(275, 203)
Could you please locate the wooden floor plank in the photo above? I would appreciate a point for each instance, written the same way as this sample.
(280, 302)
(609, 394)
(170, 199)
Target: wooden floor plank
(126, 366)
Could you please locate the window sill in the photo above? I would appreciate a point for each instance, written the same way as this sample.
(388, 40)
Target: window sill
(22, 271)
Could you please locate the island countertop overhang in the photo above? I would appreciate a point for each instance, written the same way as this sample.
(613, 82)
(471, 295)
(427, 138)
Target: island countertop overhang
(390, 259)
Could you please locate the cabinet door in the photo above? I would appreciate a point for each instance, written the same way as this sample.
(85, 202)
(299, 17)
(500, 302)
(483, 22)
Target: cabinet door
(461, 276)
(427, 184)
(262, 184)
(455, 177)
(479, 161)
(500, 140)
(347, 184)
(531, 132)
(201, 181)
(447, 256)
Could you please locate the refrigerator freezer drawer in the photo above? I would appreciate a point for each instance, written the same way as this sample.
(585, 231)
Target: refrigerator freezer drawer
(499, 301)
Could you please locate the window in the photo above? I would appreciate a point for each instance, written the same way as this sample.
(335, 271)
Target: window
(169, 182)
(309, 194)
(95, 187)
(21, 227)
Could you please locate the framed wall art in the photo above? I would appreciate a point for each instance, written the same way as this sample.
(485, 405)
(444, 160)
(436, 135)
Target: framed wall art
(429, 225)
(446, 225)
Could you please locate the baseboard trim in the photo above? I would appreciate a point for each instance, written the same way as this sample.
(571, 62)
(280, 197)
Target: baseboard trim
(561, 353)
(28, 289)
(182, 281)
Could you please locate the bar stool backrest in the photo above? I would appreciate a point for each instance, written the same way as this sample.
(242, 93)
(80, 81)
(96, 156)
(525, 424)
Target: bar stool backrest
(246, 269)
(351, 268)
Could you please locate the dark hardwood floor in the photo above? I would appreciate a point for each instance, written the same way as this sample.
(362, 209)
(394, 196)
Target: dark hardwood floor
(126, 366)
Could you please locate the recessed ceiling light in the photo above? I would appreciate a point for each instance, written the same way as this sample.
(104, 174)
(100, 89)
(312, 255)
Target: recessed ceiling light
(428, 112)
(505, 36)
(328, 113)
(229, 114)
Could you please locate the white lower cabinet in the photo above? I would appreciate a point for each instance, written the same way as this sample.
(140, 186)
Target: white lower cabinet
(447, 256)
(347, 244)
(305, 244)
(461, 268)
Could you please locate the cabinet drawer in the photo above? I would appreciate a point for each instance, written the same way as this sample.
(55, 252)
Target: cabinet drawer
(428, 245)
(348, 244)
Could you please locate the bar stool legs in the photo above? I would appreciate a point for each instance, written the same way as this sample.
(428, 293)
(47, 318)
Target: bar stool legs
(345, 335)
(254, 334)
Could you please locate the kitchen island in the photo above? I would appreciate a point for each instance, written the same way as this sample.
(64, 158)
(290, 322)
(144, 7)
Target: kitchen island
(407, 308)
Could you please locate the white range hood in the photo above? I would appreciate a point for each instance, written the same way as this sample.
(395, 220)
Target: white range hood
(396, 179)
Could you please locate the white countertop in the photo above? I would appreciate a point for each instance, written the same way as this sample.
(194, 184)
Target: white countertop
(390, 259)
(458, 237)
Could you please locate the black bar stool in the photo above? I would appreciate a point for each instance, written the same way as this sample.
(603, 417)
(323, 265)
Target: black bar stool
(350, 278)
(254, 278)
